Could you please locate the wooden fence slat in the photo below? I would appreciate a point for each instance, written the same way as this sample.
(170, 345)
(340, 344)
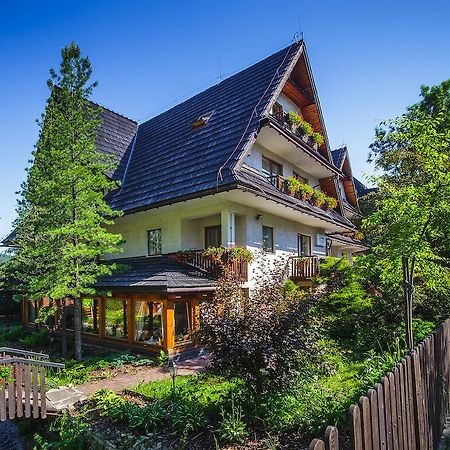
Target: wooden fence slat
(398, 407)
(394, 427)
(2, 402)
(387, 411)
(402, 397)
(364, 406)
(43, 395)
(418, 402)
(381, 416)
(331, 438)
(374, 417)
(355, 428)
(317, 444)
(411, 423)
(27, 391)
(19, 391)
(34, 371)
(12, 395)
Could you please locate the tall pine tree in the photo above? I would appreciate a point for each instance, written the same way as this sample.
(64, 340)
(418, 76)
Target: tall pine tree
(63, 215)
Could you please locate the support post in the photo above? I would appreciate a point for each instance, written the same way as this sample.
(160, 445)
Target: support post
(228, 221)
(169, 326)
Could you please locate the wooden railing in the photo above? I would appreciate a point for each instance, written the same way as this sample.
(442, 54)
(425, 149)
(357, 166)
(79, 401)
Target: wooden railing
(302, 268)
(23, 393)
(206, 263)
(408, 408)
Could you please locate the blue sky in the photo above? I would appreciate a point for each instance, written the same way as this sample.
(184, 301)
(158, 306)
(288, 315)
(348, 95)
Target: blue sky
(368, 60)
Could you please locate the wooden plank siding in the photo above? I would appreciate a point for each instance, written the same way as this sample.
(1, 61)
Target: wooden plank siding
(407, 410)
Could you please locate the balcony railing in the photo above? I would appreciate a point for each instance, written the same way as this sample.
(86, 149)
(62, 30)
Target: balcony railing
(208, 264)
(303, 268)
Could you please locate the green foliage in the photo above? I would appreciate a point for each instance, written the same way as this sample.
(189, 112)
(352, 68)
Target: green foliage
(71, 433)
(186, 418)
(318, 139)
(149, 418)
(163, 358)
(35, 339)
(293, 185)
(6, 374)
(232, 428)
(318, 198)
(226, 255)
(330, 203)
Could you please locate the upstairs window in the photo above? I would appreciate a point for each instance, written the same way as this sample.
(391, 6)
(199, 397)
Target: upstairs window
(277, 111)
(271, 168)
(300, 178)
(304, 245)
(267, 239)
(154, 242)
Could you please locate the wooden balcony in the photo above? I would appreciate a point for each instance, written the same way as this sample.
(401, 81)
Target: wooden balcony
(208, 264)
(303, 268)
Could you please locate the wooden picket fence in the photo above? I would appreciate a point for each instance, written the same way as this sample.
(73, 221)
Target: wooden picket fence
(408, 408)
(23, 394)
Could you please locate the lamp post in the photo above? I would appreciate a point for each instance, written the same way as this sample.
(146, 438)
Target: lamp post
(173, 370)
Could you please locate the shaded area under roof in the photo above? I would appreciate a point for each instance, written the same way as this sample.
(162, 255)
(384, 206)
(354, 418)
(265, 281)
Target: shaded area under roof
(155, 273)
(171, 160)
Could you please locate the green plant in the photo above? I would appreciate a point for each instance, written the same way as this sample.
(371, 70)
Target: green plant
(305, 192)
(6, 374)
(35, 339)
(294, 119)
(149, 418)
(318, 198)
(187, 418)
(330, 203)
(293, 185)
(163, 358)
(72, 433)
(305, 128)
(318, 139)
(232, 428)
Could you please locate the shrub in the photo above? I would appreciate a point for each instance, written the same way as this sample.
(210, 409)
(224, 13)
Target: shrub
(36, 339)
(187, 418)
(261, 338)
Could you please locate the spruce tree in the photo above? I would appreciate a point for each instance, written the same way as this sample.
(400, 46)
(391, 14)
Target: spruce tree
(63, 214)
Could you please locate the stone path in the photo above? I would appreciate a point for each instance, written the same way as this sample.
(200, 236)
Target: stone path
(63, 398)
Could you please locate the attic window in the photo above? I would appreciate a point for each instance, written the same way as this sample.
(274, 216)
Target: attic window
(202, 120)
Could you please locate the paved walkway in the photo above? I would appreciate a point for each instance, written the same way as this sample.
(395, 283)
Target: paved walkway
(66, 397)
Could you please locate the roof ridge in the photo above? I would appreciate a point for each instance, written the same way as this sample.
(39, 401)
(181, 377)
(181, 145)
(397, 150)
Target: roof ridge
(114, 112)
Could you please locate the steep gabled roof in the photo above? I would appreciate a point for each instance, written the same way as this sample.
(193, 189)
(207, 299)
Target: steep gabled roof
(338, 156)
(172, 160)
(115, 138)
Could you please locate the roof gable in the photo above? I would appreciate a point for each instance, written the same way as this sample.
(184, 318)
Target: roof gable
(171, 160)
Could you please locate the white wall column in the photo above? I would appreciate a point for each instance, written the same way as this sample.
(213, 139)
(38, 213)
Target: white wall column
(228, 223)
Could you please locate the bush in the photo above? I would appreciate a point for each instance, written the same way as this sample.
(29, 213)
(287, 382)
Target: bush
(36, 339)
(264, 338)
(187, 418)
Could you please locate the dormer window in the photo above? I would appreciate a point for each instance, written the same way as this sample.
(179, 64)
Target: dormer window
(202, 120)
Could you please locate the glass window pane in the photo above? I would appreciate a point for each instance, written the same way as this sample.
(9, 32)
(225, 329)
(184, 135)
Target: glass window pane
(304, 245)
(154, 242)
(148, 322)
(31, 311)
(213, 236)
(89, 321)
(267, 239)
(182, 322)
(116, 318)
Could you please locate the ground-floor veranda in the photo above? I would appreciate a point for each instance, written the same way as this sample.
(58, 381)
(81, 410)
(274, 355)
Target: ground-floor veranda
(140, 321)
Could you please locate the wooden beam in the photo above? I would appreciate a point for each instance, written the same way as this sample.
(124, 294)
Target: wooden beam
(169, 326)
(296, 94)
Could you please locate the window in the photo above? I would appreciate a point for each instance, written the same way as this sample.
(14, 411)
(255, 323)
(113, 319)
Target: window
(213, 236)
(277, 111)
(148, 322)
(182, 322)
(154, 242)
(300, 178)
(31, 311)
(267, 239)
(304, 245)
(271, 168)
(116, 325)
(89, 321)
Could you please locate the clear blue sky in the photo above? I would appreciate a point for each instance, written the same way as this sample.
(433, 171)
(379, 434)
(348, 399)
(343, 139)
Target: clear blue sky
(368, 59)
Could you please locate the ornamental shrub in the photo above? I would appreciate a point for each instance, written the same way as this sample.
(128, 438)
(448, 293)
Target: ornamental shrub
(264, 338)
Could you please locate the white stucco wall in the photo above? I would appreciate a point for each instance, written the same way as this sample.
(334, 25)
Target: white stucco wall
(254, 159)
(287, 104)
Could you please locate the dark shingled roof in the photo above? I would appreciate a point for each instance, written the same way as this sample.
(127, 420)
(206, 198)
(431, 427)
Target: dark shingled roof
(171, 160)
(157, 273)
(338, 156)
(362, 189)
(256, 183)
(115, 138)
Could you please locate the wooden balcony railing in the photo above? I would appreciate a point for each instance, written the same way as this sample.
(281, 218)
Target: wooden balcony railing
(208, 264)
(303, 268)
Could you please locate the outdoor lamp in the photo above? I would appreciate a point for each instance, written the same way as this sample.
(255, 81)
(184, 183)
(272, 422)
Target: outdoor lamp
(173, 370)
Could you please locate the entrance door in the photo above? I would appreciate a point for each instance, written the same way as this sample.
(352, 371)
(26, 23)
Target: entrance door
(304, 245)
(213, 236)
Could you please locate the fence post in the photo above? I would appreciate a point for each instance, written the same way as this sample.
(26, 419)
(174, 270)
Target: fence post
(381, 416)
(355, 428)
(317, 444)
(364, 406)
(331, 438)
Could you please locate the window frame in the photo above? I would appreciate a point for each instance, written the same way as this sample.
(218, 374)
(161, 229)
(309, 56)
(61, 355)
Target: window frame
(299, 236)
(264, 248)
(160, 242)
(213, 227)
(272, 164)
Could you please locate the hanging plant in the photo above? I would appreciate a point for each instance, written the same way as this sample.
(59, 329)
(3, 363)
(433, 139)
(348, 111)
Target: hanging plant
(329, 203)
(305, 192)
(240, 254)
(318, 198)
(215, 253)
(293, 185)
(318, 139)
